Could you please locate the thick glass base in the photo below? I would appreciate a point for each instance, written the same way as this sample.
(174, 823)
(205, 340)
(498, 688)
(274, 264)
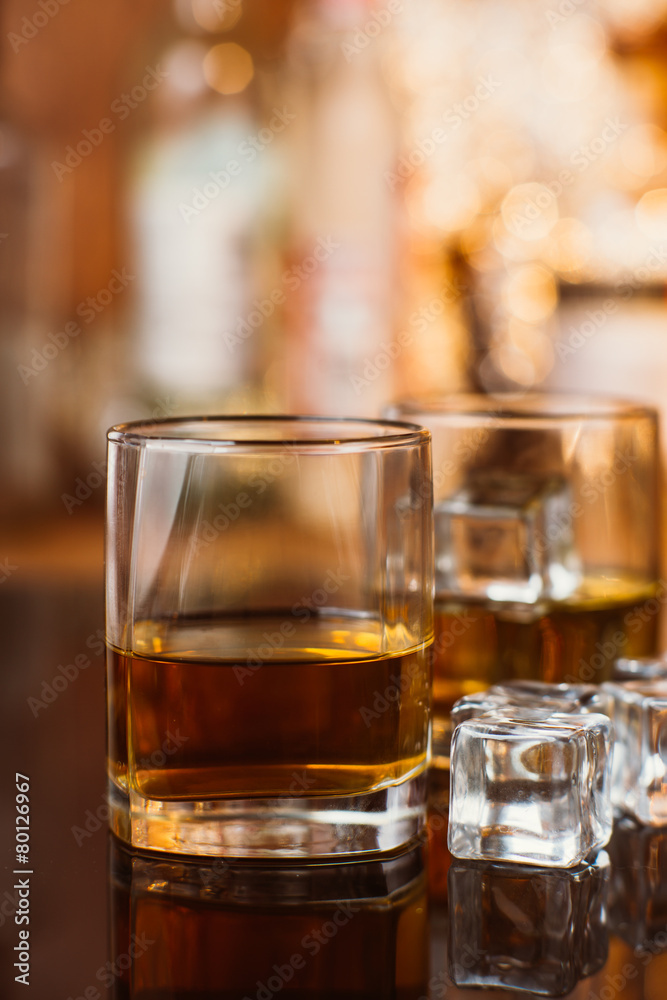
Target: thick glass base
(324, 826)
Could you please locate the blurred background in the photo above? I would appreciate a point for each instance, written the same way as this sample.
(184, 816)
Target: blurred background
(314, 206)
(284, 205)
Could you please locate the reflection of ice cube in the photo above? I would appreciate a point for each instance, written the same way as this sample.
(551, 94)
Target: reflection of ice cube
(638, 891)
(639, 784)
(528, 929)
(507, 537)
(530, 786)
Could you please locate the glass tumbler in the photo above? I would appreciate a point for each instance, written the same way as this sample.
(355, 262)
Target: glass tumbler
(547, 543)
(269, 609)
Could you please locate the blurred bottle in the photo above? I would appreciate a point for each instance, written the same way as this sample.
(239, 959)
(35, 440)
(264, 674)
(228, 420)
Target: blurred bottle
(341, 272)
(204, 183)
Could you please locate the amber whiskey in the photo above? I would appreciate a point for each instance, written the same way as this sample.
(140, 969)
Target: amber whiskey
(478, 643)
(268, 718)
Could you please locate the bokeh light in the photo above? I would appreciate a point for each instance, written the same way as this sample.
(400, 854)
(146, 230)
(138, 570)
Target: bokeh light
(530, 293)
(217, 15)
(228, 68)
(651, 214)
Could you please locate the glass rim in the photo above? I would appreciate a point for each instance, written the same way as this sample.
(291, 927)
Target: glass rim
(358, 433)
(534, 406)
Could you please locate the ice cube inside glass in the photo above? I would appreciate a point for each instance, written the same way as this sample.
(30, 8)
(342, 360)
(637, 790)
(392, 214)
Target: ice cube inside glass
(531, 786)
(506, 537)
(639, 781)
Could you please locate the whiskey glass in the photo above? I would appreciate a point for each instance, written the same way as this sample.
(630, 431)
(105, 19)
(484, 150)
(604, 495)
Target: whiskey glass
(547, 540)
(269, 612)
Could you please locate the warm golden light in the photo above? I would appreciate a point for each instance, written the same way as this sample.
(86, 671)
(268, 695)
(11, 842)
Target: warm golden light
(216, 15)
(228, 68)
(530, 211)
(644, 150)
(651, 214)
(450, 203)
(530, 293)
(570, 248)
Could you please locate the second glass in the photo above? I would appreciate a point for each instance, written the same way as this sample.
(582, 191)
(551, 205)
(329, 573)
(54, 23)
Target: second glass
(269, 608)
(546, 540)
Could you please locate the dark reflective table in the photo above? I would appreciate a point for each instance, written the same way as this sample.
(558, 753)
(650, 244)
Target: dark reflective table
(219, 930)
(186, 928)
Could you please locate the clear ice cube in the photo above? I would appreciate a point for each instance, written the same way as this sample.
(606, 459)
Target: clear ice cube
(507, 537)
(639, 781)
(642, 668)
(529, 929)
(557, 697)
(531, 786)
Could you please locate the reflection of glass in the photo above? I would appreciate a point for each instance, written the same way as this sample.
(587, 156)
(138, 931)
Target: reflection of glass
(226, 930)
(529, 929)
(268, 613)
(638, 892)
(546, 528)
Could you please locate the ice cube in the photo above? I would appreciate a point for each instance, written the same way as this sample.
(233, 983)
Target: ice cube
(507, 537)
(557, 697)
(639, 782)
(531, 786)
(529, 929)
(642, 668)
(638, 890)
